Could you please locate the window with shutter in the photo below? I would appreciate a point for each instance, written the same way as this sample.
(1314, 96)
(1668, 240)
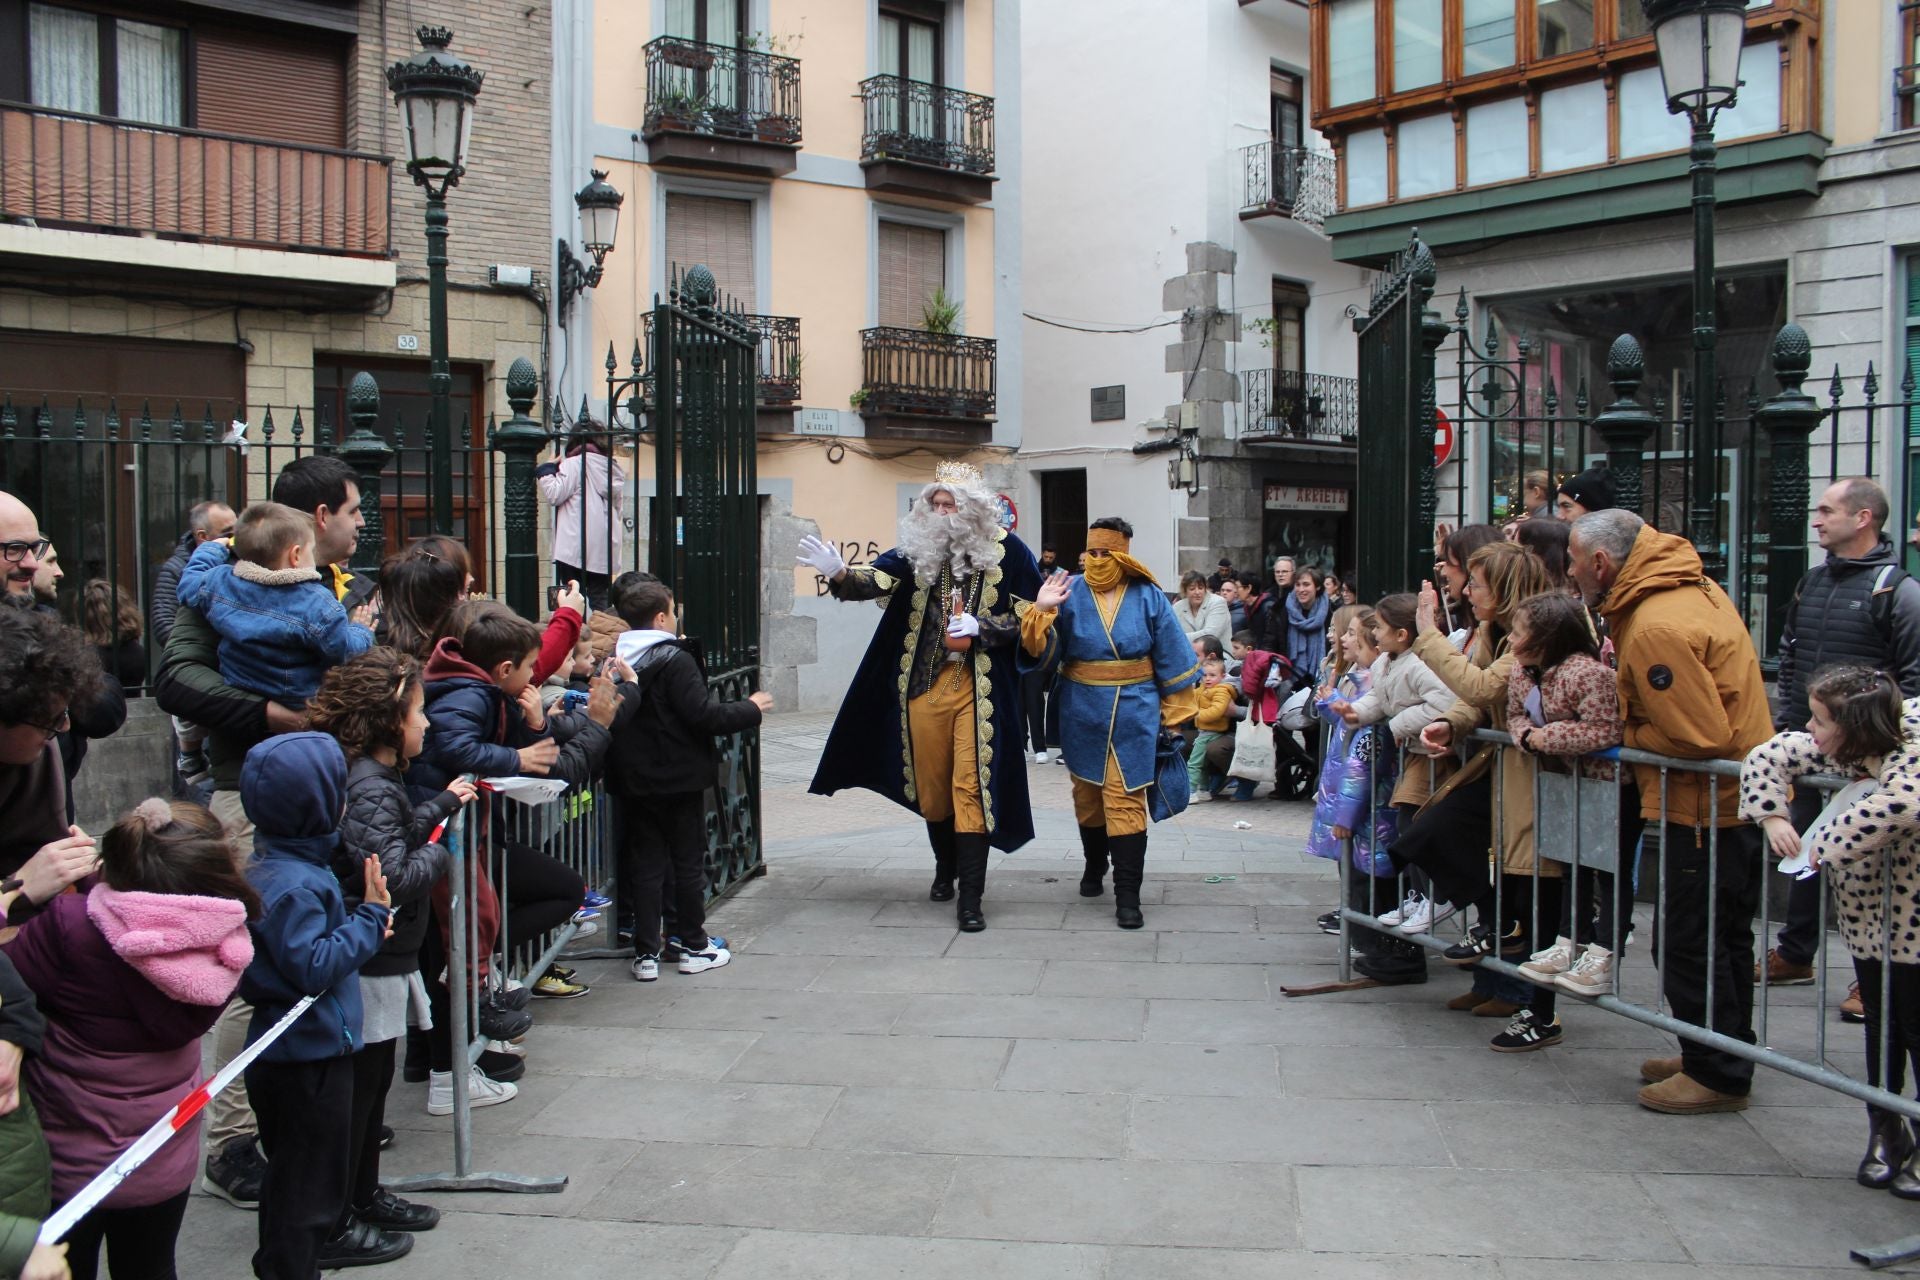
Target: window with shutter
(717, 231)
(280, 88)
(913, 266)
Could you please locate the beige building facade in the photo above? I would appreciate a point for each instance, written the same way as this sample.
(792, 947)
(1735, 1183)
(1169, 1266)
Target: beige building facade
(847, 173)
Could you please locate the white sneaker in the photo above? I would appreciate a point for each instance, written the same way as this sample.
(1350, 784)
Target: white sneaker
(1425, 916)
(1591, 975)
(1545, 966)
(711, 957)
(481, 1091)
(645, 968)
(1041, 757)
(1399, 915)
(507, 1046)
(584, 929)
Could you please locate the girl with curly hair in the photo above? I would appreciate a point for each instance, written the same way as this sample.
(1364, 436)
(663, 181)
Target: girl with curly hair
(374, 706)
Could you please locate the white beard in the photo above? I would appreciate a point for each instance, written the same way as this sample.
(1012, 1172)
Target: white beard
(963, 542)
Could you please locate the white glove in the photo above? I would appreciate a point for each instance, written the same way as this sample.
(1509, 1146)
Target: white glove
(963, 624)
(821, 556)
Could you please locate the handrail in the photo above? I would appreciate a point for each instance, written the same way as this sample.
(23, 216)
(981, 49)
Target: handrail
(142, 125)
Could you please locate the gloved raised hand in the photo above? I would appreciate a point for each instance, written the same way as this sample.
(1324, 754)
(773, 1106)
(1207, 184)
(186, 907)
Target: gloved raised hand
(963, 624)
(821, 556)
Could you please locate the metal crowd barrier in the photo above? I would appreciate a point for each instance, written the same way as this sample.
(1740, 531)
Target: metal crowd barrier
(576, 828)
(469, 878)
(1577, 825)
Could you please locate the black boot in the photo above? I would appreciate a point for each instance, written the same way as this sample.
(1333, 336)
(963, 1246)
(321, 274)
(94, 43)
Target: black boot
(1900, 1153)
(1129, 854)
(940, 836)
(1093, 843)
(970, 859)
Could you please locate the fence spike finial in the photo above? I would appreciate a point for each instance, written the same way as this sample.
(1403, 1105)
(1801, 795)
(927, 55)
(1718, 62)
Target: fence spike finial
(113, 418)
(612, 363)
(299, 429)
(8, 422)
(1460, 311)
(1872, 384)
(1906, 381)
(266, 425)
(146, 420)
(43, 420)
(1835, 389)
(208, 432)
(79, 419)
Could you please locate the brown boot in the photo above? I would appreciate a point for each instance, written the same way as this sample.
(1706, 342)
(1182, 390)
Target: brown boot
(1853, 1009)
(1495, 1009)
(1682, 1095)
(1467, 1002)
(1782, 972)
(1654, 1070)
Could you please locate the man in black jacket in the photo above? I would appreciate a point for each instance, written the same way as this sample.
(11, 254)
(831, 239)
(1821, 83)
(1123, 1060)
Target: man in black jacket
(189, 686)
(664, 760)
(1859, 607)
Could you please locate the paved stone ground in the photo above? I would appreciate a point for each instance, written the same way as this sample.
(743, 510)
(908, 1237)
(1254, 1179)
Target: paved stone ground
(865, 1093)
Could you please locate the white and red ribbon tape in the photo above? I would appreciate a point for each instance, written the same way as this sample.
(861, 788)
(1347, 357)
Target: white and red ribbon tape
(55, 1228)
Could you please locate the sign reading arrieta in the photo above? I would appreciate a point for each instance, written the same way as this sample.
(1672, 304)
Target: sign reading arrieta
(1305, 497)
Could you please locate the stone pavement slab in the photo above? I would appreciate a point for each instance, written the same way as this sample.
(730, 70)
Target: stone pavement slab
(866, 1093)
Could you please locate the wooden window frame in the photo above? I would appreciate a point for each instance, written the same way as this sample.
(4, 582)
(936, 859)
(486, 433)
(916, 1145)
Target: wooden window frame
(1527, 68)
(109, 54)
(931, 14)
(1907, 71)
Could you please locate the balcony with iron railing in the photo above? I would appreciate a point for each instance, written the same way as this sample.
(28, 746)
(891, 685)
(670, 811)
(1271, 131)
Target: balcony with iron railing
(919, 385)
(65, 171)
(779, 358)
(1284, 406)
(714, 106)
(926, 140)
(1287, 182)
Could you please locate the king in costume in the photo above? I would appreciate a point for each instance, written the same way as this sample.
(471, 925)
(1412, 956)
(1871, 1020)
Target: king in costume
(1126, 668)
(932, 720)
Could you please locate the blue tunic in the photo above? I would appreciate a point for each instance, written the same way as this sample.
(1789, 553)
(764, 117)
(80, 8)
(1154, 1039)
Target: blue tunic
(1123, 718)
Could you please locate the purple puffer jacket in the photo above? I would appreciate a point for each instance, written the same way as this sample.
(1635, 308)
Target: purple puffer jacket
(119, 1052)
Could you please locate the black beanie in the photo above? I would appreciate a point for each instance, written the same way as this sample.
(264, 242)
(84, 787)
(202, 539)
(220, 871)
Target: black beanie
(1592, 489)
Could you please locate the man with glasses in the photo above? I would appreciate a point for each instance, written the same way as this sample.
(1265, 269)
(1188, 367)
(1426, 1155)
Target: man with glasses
(29, 558)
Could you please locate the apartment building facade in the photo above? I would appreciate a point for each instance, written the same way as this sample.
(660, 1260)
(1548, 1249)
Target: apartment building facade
(1529, 142)
(1189, 360)
(205, 205)
(849, 175)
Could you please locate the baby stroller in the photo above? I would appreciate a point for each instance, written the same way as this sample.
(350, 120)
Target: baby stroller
(1294, 766)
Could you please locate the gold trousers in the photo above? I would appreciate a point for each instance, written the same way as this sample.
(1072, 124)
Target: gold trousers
(946, 755)
(1110, 805)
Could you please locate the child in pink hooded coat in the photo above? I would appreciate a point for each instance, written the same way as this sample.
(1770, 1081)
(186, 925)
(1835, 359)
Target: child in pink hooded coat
(129, 975)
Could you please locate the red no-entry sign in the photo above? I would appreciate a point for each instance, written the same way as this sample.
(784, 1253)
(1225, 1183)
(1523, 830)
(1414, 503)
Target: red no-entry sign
(1442, 438)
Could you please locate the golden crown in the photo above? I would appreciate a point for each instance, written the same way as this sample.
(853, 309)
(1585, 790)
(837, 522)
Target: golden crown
(963, 474)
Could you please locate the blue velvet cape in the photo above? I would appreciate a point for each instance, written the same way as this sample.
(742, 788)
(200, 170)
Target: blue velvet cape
(1124, 717)
(870, 747)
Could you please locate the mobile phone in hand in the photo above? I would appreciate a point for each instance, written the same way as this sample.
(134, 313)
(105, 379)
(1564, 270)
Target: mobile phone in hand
(553, 598)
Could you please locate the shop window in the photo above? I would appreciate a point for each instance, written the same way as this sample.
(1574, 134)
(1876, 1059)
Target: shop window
(1562, 26)
(1646, 126)
(1497, 142)
(1573, 126)
(1425, 149)
(1757, 109)
(1486, 28)
(1417, 29)
(1349, 51)
(1365, 163)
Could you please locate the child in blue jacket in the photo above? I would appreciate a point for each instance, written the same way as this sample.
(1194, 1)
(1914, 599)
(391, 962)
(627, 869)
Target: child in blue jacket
(280, 624)
(305, 943)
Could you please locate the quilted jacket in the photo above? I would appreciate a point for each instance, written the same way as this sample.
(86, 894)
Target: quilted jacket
(383, 822)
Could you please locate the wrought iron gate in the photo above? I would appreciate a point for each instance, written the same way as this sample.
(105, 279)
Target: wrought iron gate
(1394, 456)
(694, 398)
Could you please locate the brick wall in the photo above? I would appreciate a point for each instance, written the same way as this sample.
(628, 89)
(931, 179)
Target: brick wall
(499, 211)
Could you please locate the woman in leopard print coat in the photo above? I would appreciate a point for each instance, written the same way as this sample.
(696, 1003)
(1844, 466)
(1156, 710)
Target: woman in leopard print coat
(1860, 728)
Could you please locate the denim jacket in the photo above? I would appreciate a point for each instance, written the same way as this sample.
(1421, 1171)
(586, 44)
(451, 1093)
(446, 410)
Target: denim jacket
(280, 629)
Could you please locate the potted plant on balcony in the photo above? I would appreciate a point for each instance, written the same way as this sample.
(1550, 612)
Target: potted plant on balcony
(857, 401)
(682, 108)
(686, 53)
(777, 129)
(940, 313)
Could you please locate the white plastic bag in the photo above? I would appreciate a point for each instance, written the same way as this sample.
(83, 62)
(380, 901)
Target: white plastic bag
(1252, 752)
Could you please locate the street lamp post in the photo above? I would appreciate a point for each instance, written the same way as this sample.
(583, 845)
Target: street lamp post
(599, 206)
(1699, 45)
(435, 92)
